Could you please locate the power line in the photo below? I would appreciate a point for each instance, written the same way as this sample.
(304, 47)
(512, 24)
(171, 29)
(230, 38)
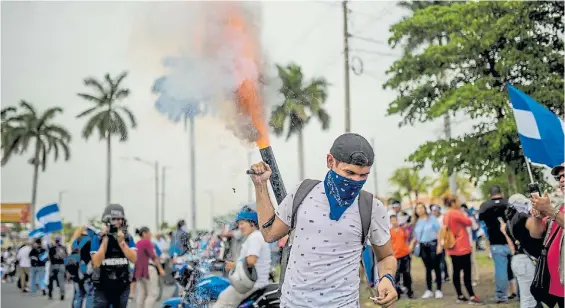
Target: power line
(305, 34)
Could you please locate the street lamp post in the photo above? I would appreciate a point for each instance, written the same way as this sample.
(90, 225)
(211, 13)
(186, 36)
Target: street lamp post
(155, 165)
(60, 201)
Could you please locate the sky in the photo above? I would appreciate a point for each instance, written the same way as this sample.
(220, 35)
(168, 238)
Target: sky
(48, 48)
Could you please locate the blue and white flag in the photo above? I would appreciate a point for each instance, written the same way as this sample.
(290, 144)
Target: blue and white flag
(541, 131)
(50, 217)
(44, 256)
(37, 232)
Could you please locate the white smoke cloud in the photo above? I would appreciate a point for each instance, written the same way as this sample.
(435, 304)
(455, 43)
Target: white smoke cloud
(202, 59)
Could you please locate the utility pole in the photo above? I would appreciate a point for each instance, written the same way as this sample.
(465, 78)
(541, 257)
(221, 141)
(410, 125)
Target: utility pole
(60, 201)
(156, 195)
(375, 170)
(249, 182)
(163, 177)
(346, 67)
(447, 131)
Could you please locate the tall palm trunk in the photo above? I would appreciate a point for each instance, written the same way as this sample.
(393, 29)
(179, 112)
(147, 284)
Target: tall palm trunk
(108, 168)
(300, 155)
(34, 184)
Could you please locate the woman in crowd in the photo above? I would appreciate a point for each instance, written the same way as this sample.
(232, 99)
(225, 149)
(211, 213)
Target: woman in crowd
(425, 233)
(456, 221)
(146, 274)
(525, 249)
(547, 222)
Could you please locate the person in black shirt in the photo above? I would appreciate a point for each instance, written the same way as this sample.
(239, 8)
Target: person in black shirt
(57, 255)
(37, 270)
(111, 253)
(526, 249)
(490, 211)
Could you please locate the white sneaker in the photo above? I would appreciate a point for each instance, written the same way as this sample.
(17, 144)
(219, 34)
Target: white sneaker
(427, 294)
(439, 294)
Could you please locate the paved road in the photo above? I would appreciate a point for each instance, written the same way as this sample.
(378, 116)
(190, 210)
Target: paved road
(11, 297)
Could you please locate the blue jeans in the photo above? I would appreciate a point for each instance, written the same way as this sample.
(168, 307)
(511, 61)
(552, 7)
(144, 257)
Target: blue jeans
(37, 277)
(110, 299)
(500, 255)
(83, 294)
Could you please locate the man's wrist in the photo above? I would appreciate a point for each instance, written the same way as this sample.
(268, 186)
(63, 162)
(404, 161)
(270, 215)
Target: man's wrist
(389, 277)
(261, 187)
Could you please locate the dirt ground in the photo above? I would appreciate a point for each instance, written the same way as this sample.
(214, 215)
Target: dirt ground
(485, 289)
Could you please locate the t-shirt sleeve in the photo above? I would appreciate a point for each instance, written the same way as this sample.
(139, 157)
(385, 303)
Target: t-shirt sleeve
(284, 210)
(379, 232)
(131, 243)
(255, 244)
(94, 244)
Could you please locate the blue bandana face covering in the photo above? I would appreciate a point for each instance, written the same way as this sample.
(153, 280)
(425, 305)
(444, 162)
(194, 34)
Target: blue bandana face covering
(341, 193)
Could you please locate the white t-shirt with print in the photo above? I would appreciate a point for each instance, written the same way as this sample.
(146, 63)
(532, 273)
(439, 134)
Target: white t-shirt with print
(323, 267)
(255, 245)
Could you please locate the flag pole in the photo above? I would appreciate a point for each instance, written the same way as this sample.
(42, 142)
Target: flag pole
(529, 170)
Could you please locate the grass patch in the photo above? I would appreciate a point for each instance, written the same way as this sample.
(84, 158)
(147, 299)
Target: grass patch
(485, 289)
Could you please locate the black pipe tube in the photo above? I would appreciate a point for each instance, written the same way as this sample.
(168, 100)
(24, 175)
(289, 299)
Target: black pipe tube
(276, 179)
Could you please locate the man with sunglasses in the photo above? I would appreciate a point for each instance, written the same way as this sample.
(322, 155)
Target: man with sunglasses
(111, 254)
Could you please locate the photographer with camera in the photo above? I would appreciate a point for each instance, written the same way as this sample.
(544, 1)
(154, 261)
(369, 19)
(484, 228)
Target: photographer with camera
(112, 252)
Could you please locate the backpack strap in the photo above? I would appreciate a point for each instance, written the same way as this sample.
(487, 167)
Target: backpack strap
(303, 190)
(365, 211)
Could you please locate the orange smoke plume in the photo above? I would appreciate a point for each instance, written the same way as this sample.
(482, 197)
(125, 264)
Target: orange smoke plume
(248, 94)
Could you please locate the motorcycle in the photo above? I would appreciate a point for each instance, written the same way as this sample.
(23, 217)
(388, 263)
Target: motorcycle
(200, 290)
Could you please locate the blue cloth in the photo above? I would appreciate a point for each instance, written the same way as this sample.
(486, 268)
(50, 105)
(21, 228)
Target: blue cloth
(369, 265)
(49, 217)
(158, 251)
(37, 277)
(85, 294)
(541, 131)
(426, 230)
(37, 233)
(95, 243)
(341, 193)
(500, 255)
(176, 245)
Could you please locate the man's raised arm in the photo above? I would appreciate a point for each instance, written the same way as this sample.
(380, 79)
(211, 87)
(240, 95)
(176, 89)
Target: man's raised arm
(271, 226)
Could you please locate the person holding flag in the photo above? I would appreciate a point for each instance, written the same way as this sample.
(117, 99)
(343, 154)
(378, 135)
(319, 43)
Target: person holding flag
(542, 135)
(37, 271)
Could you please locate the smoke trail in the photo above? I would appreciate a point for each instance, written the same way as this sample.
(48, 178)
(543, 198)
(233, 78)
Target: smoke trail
(220, 67)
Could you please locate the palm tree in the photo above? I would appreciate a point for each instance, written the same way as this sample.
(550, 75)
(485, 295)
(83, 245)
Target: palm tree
(464, 186)
(408, 181)
(27, 127)
(107, 120)
(302, 101)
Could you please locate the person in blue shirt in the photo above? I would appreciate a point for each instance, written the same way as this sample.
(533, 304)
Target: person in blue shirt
(77, 266)
(177, 241)
(425, 233)
(111, 252)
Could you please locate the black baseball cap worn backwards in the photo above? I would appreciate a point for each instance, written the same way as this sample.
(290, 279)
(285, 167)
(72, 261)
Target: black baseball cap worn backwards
(353, 149)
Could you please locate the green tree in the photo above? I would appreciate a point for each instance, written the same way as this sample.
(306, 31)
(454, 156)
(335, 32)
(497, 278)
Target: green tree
(28, 127)
(106, 116)
(410, 183)
(303, 100)
(464, 186)
(481, 50)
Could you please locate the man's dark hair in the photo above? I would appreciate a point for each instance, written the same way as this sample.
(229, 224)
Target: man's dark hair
(495, 190)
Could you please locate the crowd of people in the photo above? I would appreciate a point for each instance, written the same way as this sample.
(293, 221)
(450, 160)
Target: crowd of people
(323, 229)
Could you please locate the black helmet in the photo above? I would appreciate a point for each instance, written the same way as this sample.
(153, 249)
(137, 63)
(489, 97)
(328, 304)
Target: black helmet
(113, 211)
